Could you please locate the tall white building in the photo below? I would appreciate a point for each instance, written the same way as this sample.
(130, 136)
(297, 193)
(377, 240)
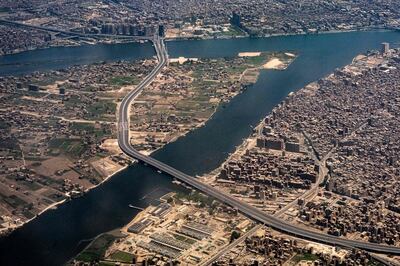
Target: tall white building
(385, 48)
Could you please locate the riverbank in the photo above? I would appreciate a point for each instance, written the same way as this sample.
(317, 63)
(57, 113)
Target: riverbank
(198, 125)
(121, 41)
(223, 178)
(285, 133)
(73, 44)
(6, 231)
(64, 157)
(205, 93)
(383, 29)
(263, 129)
(202, 150)
(187, 95)
(171, 221)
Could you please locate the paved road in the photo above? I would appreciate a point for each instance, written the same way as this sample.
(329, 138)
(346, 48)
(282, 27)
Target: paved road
(231, 246)
(384, 261)
(245, 208)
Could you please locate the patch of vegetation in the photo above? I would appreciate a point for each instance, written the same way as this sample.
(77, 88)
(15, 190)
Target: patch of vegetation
(32, 185)
(91, 129)
(71, 147)
(198, 73)
(47, 181)
(4, 125)
(14, 201)
(106, 263)
(232, 32)
(47, 201)
(97, 249)
(373, 262)
(90, 88)
(83, 126)
(4, 9)
(45, 82)
(195, 196)
(257, 60)
(72, 101)
(122, 256)
(123, 80)
(237, 69)
(184, 239)
(234, 235)
(99, 109)
(28, 214)
(10, 143)
(306, 256)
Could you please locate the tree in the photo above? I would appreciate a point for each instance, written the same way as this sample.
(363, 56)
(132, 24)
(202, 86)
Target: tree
(235, 235)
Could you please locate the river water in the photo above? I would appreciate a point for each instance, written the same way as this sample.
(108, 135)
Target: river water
(61, 57)
(56, 236)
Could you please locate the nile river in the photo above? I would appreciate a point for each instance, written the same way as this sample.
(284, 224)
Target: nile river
(57, 235)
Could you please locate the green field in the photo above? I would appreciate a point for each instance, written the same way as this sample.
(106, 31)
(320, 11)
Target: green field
(32, 185)
(14, 201)
(10, 143)
(73, 101)
(306, 256)
(90, 129)
(184, 239)
(257, 60)
(106, 263)
(123, 80)
(98, 109)
(122, 256)
(196, 197)
(4, 125)
(232, 32)
(96, 249)
(71, 147)
(4, 9)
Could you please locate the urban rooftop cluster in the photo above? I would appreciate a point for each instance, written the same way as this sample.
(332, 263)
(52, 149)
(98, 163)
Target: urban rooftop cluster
(187, 19)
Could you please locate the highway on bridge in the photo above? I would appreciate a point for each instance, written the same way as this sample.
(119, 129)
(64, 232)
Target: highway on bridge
(250, 211)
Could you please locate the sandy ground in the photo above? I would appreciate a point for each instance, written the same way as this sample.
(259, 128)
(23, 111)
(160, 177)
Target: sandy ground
(54, 88)
(182, 60)
(274, 63)
(126, 89)
(106, 166)
(111, 145)
(50, 166)
(172, 33)
(250, 75)
(29, 98)
(249, 54)
(290, 54)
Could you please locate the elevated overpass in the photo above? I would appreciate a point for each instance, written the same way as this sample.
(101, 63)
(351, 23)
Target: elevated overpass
(245, 208)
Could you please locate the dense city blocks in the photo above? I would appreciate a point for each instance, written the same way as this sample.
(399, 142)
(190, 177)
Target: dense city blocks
(198, 132)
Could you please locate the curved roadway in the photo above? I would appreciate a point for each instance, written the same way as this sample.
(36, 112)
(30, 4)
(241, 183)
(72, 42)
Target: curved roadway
(251, 211)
